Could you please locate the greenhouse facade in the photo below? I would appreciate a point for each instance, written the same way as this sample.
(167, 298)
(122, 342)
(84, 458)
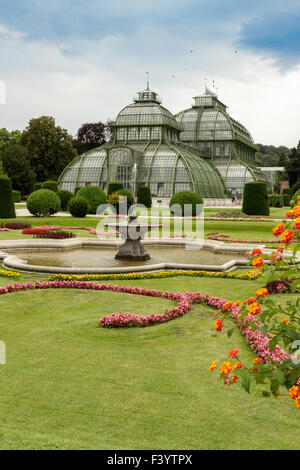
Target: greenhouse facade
(200, 149)
(145, 149)
(222, 140)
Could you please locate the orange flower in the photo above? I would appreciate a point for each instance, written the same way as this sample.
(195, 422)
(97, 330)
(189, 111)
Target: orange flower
(294, 392)
(297, 402)
(297, 223)
(233, 353)
(296, 211)
(287, 236)
(257, 360)
(238, 365)
(280, 248)
(218, 325)
(237, 303)
(289, 214)
(256, 251)
(278, 230)
(254, 308)
(227, 305)
(213, 365)
(285, 321)
(226, 368)
(251, 300)
(262, 292)
(257, 262)
(276, 394)
(234, 378)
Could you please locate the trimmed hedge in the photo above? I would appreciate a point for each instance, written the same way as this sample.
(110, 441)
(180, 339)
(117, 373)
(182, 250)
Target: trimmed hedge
(64, 197)
(275, 200)
(187, 198)
(94, 195)
(114, 186)
(7, 205)
(144, 196)
(78, 206)
(37, 186)
(255, 198)
(52, 185)
(16, 196)
(43, 202)
(295, 187)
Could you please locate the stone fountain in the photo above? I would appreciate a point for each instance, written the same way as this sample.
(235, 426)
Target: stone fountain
(132, 232)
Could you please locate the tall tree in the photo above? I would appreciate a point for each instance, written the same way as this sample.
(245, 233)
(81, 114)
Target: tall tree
(91, 135)
(7, 138)
(49, 147)
(293, 166)
(17, 167)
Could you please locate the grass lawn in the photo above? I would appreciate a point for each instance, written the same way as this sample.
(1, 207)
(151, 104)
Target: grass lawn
(69, 384)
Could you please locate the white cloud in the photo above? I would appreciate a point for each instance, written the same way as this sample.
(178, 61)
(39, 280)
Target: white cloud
(83, 81)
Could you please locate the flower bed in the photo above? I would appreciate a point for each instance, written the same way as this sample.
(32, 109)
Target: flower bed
(249, 275)
(223, 237)
(6, 273)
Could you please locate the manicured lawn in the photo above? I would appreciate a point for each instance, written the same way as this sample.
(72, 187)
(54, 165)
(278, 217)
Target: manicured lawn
(69, 384)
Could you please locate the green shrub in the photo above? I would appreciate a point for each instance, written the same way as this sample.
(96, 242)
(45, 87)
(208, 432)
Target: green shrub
(37, 186)
(64, 197)
(287, 191)
(144, 196)
(275, 200)
(295, 187)
(255, 198)
(94, 195)
(77, 189)
(187, 197)
(43, 202)
(78, 206)
(16, 196)
(114, 186)
(52, 185)
(295, 197)
(7, 206)
(114, 199)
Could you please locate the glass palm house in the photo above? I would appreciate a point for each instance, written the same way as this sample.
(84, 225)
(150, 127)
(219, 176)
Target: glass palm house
(202, 150)
(222, 140)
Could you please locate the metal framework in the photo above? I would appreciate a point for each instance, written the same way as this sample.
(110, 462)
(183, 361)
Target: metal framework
(145, 148)
(222, 140)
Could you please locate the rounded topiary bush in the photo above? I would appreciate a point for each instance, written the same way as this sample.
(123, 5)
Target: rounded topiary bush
(192, 201)
(64, 197)
(52, 185)
(255, 198)
(114, 186)
(43, 202)
(94, 195)
(144, 196)
(7, 206)
(78, 206)
(117, 200)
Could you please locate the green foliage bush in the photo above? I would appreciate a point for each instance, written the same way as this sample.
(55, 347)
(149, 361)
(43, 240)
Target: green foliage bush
(77, 189)
(295, 187)
(144, 196)
(52, 185)
(37, 186)
(16, 196)
(114, 200)
(78, 206)
(295, 197)
(114, 186)
(187, 197)
(275, 200)
(64, 197)
(255, 198)
(43, 202)
(94, 195)
(7, 206)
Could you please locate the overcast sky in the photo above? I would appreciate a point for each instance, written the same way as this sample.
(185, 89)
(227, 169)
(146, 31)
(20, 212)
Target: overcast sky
(82, 61)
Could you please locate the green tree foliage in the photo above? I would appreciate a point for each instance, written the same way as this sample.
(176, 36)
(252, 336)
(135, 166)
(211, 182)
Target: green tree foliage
(293, 166)
(91, 135)
(17, 166)
(49, 147)
(269, 155)
(7, 206)
(8, 138)
(255, 198)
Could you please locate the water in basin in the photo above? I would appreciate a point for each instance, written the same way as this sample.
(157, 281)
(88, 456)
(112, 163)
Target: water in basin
(103, 257)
